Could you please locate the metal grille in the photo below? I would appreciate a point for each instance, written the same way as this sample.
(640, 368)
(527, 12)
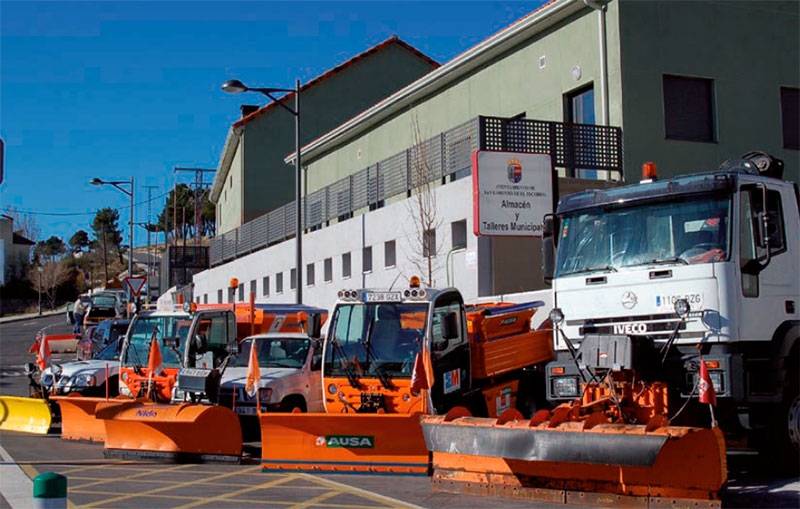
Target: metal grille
(360, 189)
(317, 206)
(572, 146)
(392, 178)
(339, 199)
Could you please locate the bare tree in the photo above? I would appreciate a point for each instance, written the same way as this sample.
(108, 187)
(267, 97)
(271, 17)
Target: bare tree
(53, 275)
(424, 175)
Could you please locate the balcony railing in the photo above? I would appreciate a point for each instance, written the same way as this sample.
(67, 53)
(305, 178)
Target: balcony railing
(446, 157)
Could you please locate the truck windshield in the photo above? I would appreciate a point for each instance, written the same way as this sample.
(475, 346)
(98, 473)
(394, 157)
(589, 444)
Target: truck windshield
(687, 230)
(144, 328)
(275, 352)
(375, 339)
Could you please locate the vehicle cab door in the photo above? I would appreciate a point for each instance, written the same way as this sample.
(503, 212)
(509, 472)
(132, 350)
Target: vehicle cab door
(450, 354)
(209, 335)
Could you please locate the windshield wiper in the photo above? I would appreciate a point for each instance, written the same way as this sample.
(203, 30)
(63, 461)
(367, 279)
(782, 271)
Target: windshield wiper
(352, 377)
(137, 364)
(607, 268)
(659, 261)
(383, 376)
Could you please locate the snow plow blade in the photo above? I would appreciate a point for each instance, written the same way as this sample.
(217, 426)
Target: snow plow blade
(343, 443)
(31, 415)
(78, 418)
(184, 433)
(572, 463)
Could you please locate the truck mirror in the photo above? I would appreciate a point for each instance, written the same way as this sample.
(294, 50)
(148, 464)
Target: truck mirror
(171, 342)
(232, 347)
(450, 326)
(314, 325)
(316, 361)
(548, 248)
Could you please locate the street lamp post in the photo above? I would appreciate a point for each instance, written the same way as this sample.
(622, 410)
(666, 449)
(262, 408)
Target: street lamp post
(118, 184)
(40, 269)
(237, 87)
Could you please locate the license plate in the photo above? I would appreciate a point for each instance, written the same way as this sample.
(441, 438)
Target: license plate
(246, 410)
(383, 297)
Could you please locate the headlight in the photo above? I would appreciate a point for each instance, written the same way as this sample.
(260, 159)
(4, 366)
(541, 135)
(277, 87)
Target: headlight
(83, 380)
(556, 316)
(682, 308)
(47, 379)
(332, 389)
(716, 381)
(565, 387)
(264, 395)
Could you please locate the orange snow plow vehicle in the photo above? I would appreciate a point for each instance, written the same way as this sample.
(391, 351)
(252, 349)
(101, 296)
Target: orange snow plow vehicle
(390, 357)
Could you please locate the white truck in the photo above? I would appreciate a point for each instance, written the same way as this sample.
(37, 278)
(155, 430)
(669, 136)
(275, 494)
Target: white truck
(290, 365)
(703, 264)
(86, 377)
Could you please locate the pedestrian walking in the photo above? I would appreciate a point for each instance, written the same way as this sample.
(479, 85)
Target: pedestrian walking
(77, 312)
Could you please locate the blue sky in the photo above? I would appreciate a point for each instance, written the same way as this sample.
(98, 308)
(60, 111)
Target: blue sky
(115, 89)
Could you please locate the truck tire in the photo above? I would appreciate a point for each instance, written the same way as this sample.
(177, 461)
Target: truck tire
(783, 444)
(290, 403)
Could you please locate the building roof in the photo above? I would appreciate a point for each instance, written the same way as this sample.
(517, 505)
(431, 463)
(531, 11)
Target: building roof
(232, 139)
(22, 241)
(507, 38)
(339, 68)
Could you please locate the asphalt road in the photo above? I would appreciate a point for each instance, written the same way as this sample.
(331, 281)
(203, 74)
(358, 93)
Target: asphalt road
(95, 481)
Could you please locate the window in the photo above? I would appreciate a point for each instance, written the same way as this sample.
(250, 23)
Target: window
(230, 181)
(579, 106)
(389, 254)
(219, 296)
(366, 259)
(252, 289)
(429, 243)
(328, 270)
(279, 282)
(310, 274)
(753, 245)
(231, 295)
(790, 117)
(579, 109)
(346, 265)
(458, 232)
(205, 298)
(241, 292)
(265, 286)
(688, 108)
(293, 279)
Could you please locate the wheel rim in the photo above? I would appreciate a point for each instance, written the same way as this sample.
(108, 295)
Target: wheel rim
(794, 422)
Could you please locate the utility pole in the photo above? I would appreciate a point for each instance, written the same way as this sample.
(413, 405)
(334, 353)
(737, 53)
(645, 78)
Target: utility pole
(147, 225)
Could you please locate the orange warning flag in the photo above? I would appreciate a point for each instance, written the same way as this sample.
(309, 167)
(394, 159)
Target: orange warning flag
(705, 386)
(419, 377)
(43, 357)
(154, 360)
(253, 372)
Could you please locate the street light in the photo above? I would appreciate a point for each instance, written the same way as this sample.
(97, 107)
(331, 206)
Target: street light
(118, 184)
(40, 269)
(237, 87)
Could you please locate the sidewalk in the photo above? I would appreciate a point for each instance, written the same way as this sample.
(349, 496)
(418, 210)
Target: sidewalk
(19, 318)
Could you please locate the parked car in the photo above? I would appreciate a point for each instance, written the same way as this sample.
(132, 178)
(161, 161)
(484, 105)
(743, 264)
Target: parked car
(103, 306)
(86, 298)
(89, 377)
(97, 337)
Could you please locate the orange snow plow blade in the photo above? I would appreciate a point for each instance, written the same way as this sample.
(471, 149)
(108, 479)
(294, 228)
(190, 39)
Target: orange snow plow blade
(577, 463)
(184, 433)
(78, 419)
(31, 415)
(343, 443)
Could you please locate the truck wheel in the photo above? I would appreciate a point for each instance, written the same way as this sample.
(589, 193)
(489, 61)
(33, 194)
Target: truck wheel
(289, 405)
(784, 438)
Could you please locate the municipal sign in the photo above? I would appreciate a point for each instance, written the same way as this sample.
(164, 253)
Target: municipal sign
(135, 283)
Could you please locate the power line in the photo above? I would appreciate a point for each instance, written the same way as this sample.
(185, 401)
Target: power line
(10, 209)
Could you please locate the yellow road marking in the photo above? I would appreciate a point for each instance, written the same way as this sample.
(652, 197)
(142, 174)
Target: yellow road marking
(315, 500)
(360, 492)
(227, 496)
(202, 479)
(136, 476)
(32, 473)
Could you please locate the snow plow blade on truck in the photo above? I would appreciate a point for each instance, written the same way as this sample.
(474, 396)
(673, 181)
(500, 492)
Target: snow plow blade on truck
(391, 356)
(173, 433)
(31, 415)
(356, 443)
(575, 462)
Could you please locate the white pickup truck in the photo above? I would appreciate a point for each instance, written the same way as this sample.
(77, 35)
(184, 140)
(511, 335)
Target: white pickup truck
(289, 363)
(88, 377)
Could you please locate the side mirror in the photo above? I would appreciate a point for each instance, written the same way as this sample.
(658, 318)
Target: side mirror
(314, 325)
(316, 361)
(440, 346)
(548, 248)
(171, 342)
(450, 326)
(232, 347)
(29, 368)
